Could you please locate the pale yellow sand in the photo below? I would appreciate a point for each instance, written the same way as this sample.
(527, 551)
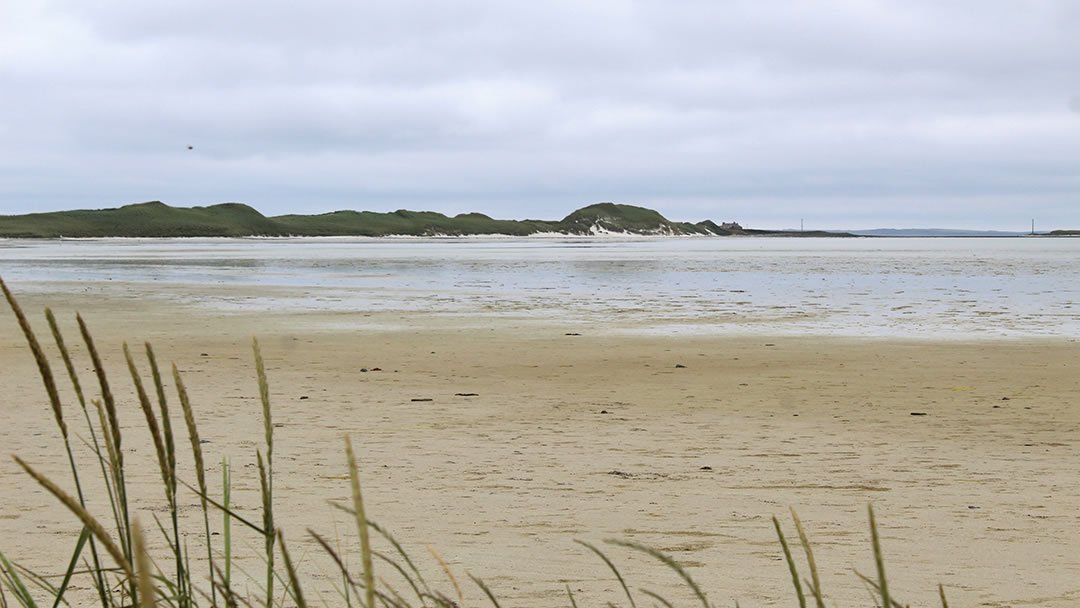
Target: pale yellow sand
(980, 494)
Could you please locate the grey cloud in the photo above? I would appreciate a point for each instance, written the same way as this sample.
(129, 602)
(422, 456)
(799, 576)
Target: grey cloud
(701, 109)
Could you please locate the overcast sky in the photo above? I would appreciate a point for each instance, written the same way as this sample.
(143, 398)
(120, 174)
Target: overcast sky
(962, 114)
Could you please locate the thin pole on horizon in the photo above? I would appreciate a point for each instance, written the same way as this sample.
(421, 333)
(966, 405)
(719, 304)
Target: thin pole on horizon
(801, 226)
(1033, 226)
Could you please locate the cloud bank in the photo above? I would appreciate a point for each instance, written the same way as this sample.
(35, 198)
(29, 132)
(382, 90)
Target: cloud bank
(851, 114)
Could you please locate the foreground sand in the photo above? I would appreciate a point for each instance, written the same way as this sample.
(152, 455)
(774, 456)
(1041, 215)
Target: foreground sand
(600, 435)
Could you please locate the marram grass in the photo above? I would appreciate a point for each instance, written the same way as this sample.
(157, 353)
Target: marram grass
(134, 579)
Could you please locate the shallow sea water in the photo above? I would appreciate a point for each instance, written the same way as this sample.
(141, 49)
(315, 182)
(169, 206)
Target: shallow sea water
(917, 288)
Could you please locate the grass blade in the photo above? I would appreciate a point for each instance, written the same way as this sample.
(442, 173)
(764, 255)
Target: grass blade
(268, 528)
(12, 580)
(83, 537)
(170, 455)
(228, 512)
(337, 560)
(611, 565)
(874, 587)
(142, 565)
(657, 597)
(39, 356)
(106, 392)
(193, 432)
(268, 476)
(401, 551)
(111, 428)
(196, 452)
(402, 572)
(941, 591)
(442, 600)
(361, 525)
(226, 591)
(879, 559)
(166, 422)
(394, 599)
(449, 573)
(790, 563)
(226, 526)
(264, 397)
(570, 594)
(294, 581)
(111, 472)
(816, 590)
(667, 561)
(58, 337)
(87, 519)
(151, 422)
(491, 596)
(39, 581)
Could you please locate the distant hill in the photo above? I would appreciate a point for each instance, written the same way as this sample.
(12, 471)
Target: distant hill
(403, 222)
(607, 218)
(156, 219)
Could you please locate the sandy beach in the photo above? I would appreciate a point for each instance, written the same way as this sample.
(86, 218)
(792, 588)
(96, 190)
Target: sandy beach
(499, 440)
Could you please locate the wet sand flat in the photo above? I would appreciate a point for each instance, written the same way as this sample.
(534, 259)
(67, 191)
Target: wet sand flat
(500, 440)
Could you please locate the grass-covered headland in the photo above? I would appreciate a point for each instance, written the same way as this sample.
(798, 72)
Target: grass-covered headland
(156, 219)
(112, 555)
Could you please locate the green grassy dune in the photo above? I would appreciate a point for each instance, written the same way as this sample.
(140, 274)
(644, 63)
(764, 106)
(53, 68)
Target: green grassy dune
(402, 222)
(143, 219)
(156, 219)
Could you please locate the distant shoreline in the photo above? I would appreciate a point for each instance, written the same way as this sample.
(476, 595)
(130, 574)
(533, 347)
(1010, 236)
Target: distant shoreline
(235, 220)
(158, 220)
(543, 236)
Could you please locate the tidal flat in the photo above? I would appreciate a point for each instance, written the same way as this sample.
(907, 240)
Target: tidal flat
(499, 434)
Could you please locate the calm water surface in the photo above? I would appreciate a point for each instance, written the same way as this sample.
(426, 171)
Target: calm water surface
(929, 288)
